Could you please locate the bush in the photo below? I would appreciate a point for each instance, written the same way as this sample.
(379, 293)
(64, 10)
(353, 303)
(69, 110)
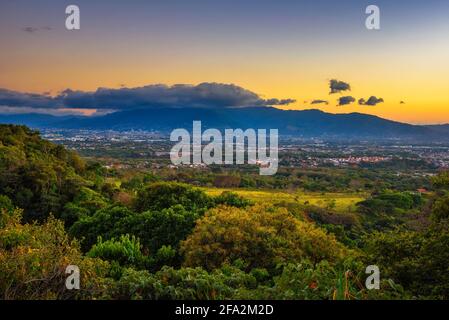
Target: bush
(182, 284)
(232, 199)
(161, 228)
(154, 229)
(6, 203)
(261, 236)
(104, 223)
(440, 209)
(415, 260)
(163, 195)
(324, 281)
(126, 251)
(33, 259)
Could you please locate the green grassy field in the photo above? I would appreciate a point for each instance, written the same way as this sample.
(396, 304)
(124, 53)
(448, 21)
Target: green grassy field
(343, 201)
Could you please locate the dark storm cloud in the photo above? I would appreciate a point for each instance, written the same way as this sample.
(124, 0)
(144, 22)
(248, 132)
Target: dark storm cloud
(319, 102)
(372, 101)
(337, 86)
(345, 100)
(204, 95)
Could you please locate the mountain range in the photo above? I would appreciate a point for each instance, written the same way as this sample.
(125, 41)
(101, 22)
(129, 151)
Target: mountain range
(298, 123)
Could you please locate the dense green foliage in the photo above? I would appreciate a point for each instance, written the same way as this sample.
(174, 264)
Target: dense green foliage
(417, 260)
(40, 177)
(143, 238)
(260, 237)
(33, 259)
(388, 209)
(125, 251)
(160, 196)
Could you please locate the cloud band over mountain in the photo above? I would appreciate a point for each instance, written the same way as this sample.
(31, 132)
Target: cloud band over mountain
(204, 95)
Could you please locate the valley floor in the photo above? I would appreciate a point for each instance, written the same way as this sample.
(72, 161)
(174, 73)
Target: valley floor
(344, 202)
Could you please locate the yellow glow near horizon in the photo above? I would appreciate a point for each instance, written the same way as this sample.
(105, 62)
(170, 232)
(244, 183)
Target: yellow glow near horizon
(418, 78)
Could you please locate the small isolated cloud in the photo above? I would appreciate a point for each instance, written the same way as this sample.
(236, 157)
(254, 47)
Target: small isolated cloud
(279, 102)
(30, 29)
(35, 29)
(372, 101)
(337, 86)
(319, 102)
(345, 100)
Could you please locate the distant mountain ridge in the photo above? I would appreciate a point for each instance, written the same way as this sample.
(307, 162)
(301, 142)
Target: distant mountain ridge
(300, 123)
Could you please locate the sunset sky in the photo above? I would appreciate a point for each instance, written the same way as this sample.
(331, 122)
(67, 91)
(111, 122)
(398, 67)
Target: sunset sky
(277, 49)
